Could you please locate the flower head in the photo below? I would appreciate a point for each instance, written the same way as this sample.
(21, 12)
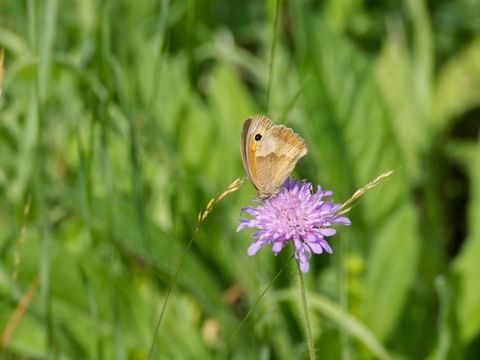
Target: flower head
(295, 213)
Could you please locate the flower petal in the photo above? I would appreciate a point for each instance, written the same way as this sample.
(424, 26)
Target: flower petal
(316, 247)
(296, 213)
(257, 234)
(343, 221)
(254, 247)
(241, 226)
(247, 209)
(277, 246)
(336, 207)
(302, 259)
(304, 267)
(327, 231)
(297, 243)
(326, 246)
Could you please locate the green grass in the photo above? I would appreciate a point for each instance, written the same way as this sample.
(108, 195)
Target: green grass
(120, 120)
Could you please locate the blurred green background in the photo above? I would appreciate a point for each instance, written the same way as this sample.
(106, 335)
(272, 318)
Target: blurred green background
(119, 120)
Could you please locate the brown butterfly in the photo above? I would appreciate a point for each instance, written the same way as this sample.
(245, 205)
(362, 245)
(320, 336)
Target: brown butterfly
(269, 153)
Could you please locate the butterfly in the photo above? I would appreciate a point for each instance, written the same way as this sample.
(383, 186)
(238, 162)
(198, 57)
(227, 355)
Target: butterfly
(269, 153)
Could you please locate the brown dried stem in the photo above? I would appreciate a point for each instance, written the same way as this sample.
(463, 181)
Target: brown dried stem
(19, 312)
(234, 186)
(360, 192)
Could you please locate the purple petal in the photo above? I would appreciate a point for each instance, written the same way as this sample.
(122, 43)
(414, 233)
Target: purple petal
(257, 234)
(296, 213)
(326, 246)
(311, 238)
(286, 184)
(254, 247)
(247, 209)
(326, 207)
(242, 226)
(297, 243)
(304, 267)
(302, 258)
(307, 252)
(336, 207)
(277, 246)
(316, 247)
(343, 221)
(327, 231)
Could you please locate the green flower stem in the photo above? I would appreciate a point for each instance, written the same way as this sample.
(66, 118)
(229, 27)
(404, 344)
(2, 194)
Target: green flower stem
(342, 272)
(303, 295)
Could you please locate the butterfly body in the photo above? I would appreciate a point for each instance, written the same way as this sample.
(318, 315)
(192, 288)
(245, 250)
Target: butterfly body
(269, 153)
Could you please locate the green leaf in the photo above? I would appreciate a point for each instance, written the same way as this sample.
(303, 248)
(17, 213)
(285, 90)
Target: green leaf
(351, 138)
(448, 340)
(391, 269)
(466, 266)
(335, 313)
(457, 86)
(394, 74)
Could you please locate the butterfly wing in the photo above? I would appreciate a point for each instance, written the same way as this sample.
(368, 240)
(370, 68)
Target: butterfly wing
(243, 147)
(257, 125)
(269, 153)
(277, 157)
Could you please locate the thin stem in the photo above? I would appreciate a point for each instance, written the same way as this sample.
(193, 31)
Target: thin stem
(162, 45)
(343, 295)
(360, 192)
(234, 186)
(272, 54)
(303, 295)
(169, 291)
(257, 301)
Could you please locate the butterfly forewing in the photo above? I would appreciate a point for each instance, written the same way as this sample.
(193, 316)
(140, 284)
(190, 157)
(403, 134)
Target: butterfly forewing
(269, 153)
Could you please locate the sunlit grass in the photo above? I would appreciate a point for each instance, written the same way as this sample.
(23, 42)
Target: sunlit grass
(120, 120)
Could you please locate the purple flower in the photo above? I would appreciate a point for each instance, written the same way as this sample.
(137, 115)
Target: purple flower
(294, 213)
